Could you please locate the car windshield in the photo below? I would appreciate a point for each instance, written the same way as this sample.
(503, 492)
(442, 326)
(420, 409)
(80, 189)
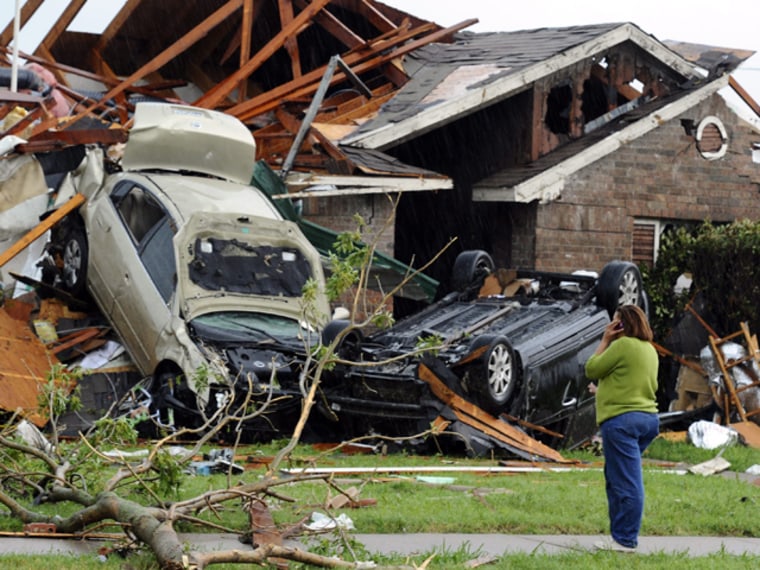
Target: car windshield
(245, 326)
(255, 269)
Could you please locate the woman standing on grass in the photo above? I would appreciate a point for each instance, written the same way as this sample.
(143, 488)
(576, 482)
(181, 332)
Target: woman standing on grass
(625, 363)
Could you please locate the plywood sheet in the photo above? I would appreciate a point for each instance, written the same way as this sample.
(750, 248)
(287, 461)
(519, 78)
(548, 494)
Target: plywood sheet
(24, 366)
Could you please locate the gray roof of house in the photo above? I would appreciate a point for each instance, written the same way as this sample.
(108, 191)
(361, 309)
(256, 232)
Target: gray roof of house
(449, 80)
(497, 53)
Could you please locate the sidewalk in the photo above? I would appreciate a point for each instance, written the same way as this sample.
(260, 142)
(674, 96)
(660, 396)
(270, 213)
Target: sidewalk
(409, 544)
(498, 544)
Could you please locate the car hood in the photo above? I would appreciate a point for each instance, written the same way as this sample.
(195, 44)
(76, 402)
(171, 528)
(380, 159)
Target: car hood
(183, 138)
(237, 262)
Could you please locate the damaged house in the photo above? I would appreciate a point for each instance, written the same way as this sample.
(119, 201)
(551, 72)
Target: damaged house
(553, 149)
(567, 147)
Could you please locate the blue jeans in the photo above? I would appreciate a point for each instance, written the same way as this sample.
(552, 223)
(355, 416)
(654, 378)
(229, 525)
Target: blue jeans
(624, 439)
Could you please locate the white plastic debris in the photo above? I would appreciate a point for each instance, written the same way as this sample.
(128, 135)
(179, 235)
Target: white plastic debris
(709, 435)
(101, 356)
(321, 521)
(753, 469)
(33, 437)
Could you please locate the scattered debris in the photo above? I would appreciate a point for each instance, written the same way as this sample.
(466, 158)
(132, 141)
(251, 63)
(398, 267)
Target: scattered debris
(709, 435)
(25, 365)
(714, 465)
(217, 461)
(321, 522)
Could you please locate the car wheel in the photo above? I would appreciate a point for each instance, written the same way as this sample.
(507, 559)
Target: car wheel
(174, 405)
(332, 329)
(492, 380)
(619, 284)
(470, 269)
(75, 251)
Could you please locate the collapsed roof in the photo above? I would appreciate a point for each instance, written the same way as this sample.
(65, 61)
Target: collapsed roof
(272, 64)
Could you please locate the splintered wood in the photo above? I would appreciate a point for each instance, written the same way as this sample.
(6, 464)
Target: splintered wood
(24, 366)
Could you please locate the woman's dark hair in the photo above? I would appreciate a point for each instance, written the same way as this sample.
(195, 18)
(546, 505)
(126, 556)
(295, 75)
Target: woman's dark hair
(635, 322)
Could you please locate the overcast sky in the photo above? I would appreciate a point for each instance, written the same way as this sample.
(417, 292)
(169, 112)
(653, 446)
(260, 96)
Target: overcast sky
(726, 23)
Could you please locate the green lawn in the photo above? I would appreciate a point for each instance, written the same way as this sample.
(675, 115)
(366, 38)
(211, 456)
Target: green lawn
(567, 502)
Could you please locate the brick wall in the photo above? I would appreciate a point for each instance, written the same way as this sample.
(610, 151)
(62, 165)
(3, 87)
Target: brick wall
(660, 176)
(338, 214)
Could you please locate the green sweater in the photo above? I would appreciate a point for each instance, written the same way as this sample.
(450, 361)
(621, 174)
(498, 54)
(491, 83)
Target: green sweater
(627, 374)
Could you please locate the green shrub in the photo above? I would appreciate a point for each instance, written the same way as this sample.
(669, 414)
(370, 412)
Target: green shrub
(723, 262)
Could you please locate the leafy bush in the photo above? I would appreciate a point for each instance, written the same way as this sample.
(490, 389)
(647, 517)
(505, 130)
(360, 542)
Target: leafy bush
(723, 262)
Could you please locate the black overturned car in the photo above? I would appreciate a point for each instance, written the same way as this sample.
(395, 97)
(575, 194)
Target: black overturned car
(519, 356)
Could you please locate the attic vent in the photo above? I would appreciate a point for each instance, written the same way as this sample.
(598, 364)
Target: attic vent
(645, 242)
(712, 139)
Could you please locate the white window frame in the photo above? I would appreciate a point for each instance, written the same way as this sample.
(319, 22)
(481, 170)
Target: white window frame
(658, 229)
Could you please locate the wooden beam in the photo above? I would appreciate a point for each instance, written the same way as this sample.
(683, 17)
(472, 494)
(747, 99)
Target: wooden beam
(291, 43)
(369, 11)
(243, 111)
(538, 94)
(116, 24)
(178, 47)
(335, 27)
(746, 97)
(61, 24)
(246, 29)
(236, 41)
(48, 141)
(74, 202)
(375, 16)
(213, 97)
(309, 82)
(27, 11)
(624, 89)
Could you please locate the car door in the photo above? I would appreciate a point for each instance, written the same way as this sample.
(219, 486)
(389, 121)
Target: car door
(134, 260)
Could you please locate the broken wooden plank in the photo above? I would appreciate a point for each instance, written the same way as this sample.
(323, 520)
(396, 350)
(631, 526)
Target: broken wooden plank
(263, 530)
(55, 140)
(73, 203)
(74, 339)
(749, 432)
(485, 422)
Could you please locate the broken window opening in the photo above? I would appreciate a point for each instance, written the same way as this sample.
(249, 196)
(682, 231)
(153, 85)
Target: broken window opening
(138, 209)
(558, 105)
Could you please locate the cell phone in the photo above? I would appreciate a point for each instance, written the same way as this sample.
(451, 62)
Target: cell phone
(619, 326)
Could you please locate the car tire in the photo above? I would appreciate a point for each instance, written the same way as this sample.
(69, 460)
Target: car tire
(173, 404)
(493, 378)
(75, 252)
(470, 269)
(619, 284)
(350, 343)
